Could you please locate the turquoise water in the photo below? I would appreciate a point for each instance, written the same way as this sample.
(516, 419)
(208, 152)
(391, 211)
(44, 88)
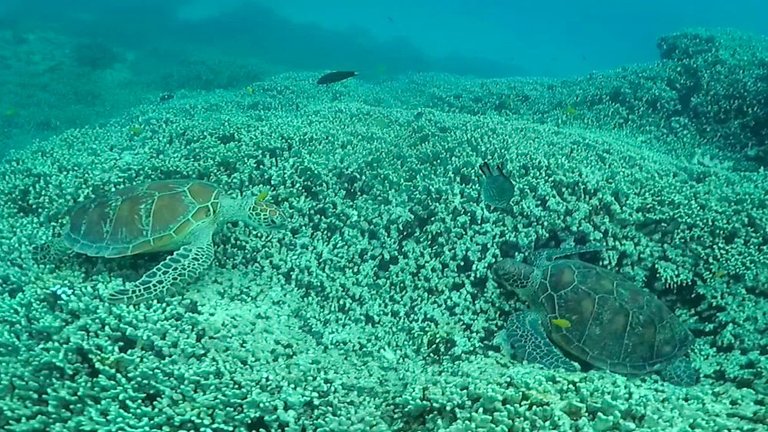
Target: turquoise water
(375, 308)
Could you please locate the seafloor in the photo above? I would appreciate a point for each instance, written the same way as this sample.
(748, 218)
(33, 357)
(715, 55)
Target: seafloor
(375, 310)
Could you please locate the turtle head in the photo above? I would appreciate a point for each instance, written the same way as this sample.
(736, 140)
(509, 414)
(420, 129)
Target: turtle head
(264, 215)
(514, 275)
(260, 214)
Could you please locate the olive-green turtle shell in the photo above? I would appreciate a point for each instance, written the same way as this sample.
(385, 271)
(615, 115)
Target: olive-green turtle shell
(603, 318)
(149, 217)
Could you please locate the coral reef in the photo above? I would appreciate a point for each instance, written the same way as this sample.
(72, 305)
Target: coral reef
(50, 82)
(375, 311)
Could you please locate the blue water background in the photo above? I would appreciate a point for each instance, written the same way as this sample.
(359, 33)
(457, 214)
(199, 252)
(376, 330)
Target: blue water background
(480, 37)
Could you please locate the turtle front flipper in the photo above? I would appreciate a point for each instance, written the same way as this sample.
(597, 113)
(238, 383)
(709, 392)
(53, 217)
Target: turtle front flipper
(545, 256)
(52, 252)
(174, 272)
(524, 339)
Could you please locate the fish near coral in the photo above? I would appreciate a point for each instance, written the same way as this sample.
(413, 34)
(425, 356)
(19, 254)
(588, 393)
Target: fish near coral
(334, 77)
(496, 188)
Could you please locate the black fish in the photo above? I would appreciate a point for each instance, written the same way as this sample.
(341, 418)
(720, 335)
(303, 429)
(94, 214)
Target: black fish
(333, 77)
(165, 97)
(497, 189)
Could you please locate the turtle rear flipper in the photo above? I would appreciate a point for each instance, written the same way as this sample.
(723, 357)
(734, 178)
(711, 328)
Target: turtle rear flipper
(185, 265)
(680, 372)
(524, 339)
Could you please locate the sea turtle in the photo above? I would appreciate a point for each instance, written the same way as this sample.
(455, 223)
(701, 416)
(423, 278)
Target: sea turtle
(593, 315)
(164, 215)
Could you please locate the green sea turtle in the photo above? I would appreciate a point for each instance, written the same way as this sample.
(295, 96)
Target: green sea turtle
(165, 215)
(593, 315)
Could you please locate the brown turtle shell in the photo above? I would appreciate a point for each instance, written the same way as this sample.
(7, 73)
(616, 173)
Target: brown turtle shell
(148, 217)
(604, 319)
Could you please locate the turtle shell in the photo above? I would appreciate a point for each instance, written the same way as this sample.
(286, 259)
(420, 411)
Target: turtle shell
(604, 319)
(149, 217)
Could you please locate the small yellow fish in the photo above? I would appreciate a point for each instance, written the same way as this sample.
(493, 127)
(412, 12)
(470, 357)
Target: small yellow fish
(561, 322)
(571, 111)
(262, 196)
(250, 90)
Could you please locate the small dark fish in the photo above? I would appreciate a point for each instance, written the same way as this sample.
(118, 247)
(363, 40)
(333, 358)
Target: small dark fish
(334, 77)
(497, 189)
(165, 97)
